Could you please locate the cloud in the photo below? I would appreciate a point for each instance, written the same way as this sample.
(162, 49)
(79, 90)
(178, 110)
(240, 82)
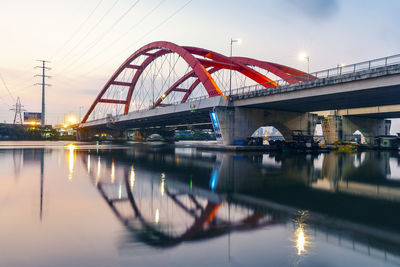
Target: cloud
(316, 9)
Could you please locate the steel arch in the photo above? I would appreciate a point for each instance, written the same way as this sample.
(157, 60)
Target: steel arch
(202, 62)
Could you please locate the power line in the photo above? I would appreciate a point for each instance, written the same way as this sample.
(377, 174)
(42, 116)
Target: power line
(5, 86)
(145, 35)
(89, 32)
(115, 41)
(96, 41)
(162, 23)
(78, 29)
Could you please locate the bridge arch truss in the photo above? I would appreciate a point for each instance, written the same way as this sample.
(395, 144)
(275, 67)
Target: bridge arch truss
(163, 73)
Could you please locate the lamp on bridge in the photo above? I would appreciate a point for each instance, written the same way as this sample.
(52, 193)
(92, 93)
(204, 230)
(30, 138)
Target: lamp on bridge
(230, 70)
(305, 57)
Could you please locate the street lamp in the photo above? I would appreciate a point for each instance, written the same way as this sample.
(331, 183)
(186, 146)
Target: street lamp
(340, 67)
(230, 70)
(152, 87)
(304, 56)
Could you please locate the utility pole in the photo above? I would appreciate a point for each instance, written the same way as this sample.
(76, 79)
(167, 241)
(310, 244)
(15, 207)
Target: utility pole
(43, 84)
(18, 112)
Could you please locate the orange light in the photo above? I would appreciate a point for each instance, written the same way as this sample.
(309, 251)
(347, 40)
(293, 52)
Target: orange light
(72, 119)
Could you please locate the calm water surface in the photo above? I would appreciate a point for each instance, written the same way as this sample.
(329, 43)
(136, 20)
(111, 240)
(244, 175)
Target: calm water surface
(160, 205)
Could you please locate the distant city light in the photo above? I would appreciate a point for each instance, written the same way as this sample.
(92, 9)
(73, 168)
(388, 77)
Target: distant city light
(72, 119)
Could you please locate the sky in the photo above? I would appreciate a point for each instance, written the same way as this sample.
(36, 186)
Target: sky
(86, 41)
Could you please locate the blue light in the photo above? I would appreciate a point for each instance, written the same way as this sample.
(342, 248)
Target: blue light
(214, 179)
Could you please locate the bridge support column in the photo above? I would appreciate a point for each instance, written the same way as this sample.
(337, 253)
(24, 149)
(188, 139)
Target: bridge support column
(138, 135)
(236, 124)
(341, 128)
(85, 134)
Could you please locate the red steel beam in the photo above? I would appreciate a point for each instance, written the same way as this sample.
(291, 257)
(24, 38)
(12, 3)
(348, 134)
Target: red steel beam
(180, 90)
(209, 84)
(129, 66)
(112, 101)
(120, 83)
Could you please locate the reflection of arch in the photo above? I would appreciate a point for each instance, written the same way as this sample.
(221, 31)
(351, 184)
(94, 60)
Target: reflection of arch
(206, 224)
(156, 238)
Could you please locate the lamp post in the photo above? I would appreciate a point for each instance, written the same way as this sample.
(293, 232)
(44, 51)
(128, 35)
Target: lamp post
(230, 69)
(152, 87)
(340, 67)
(304, 56)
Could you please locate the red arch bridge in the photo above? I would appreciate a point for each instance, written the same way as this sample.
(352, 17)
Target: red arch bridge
(163, 87)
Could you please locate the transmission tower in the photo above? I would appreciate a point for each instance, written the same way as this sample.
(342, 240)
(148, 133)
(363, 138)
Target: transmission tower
(18, 108)
(43, 84)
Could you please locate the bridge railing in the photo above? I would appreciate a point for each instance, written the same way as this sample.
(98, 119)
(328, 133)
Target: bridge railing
(332, 72)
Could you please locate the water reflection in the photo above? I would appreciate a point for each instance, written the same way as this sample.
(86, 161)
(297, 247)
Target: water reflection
(348, 197)
(71, 160)
(41, 184)
(302, 238)
(175, 205)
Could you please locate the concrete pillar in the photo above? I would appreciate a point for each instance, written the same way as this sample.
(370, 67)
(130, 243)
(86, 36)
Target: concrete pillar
(236, 124)
(341, 128)
(83, 134)
(369, 127)
(331, 128)
(139, 136)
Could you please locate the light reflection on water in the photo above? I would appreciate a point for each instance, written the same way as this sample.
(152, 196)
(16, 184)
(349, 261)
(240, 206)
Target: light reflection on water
(141, 205)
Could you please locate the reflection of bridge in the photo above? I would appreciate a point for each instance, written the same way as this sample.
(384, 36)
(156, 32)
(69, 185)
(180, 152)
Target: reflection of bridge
(163, 86)
(142, 197)
(196, 213)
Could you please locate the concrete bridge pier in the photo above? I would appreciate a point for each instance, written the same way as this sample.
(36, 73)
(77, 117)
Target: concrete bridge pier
(341, 128)
(83, 134)
(143, 133)
(237, 123)
(86, 134)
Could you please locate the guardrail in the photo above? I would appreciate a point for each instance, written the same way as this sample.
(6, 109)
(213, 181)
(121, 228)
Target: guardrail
(332, 72)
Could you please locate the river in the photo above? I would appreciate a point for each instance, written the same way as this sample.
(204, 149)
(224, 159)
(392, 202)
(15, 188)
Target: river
(88, 204)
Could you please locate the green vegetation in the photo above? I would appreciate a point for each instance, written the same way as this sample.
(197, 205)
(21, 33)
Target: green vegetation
(197, 135)
(18, 132)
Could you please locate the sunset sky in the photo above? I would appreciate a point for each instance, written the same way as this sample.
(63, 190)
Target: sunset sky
(87, 40)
